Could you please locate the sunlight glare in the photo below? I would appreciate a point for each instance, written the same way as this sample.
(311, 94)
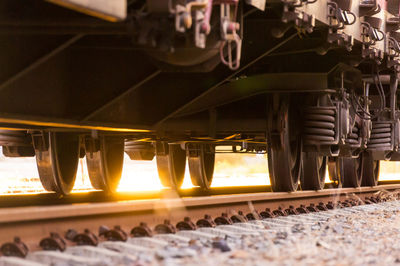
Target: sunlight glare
(20, 175)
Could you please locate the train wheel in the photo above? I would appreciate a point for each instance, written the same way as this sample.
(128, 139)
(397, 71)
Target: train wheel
(285, 152)
(313, 171)
(352, 171)
(201, 160)
(57, 158)
(171, 164)
(105, 158)
(371, 169)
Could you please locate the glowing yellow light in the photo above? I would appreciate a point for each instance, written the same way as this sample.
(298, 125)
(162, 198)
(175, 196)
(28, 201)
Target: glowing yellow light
(19, 175)
(389, 170)
(139, 176)
(240, 170)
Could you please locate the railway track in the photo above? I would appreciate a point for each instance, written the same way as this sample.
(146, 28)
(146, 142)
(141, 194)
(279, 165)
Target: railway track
(91, 224)
(45, 199)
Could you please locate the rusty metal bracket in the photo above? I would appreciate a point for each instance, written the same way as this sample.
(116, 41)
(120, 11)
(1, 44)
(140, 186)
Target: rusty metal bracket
(301, 20)
(373, 54)
(223, 220)
(312, 208)
(231, 40)
(339, 17)
(302, 209)
(115, 234)
(207, 221)
(17, 248)
(291, 210)
(370, 34)
(186, 224)
(85, 238)
(183, 13)
(54, 242)
(322, 207)
(340, 39)
(165, 228)
(239, 218)
(393, 50)
(141, 231)
(254, 215)
(267, 213)
(393, 24)
(369, 8)
(195, 14)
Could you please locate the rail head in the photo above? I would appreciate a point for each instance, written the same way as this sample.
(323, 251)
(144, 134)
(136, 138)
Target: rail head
(172, 204)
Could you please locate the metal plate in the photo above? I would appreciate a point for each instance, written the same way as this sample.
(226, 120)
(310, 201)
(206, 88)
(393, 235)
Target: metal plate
(114, 10)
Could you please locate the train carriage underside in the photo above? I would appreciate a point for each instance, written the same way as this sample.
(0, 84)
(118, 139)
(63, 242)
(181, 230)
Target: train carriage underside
(312, 83)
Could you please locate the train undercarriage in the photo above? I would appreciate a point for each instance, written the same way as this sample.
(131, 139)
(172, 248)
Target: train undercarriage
(312, 83)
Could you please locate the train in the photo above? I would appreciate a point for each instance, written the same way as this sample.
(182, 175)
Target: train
(311, 83)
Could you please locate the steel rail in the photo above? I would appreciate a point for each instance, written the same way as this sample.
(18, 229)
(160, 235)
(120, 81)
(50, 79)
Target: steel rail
(51, 199)
(34, 223)
(48, 198)
(34, 213)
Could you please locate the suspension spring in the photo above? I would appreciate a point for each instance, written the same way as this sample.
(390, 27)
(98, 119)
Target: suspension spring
(319, 125)
(381, 135)
(353, 138)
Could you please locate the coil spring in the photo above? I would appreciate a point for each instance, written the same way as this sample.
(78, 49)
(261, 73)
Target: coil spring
(353, 137)
(381, 135)
(319, 125)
